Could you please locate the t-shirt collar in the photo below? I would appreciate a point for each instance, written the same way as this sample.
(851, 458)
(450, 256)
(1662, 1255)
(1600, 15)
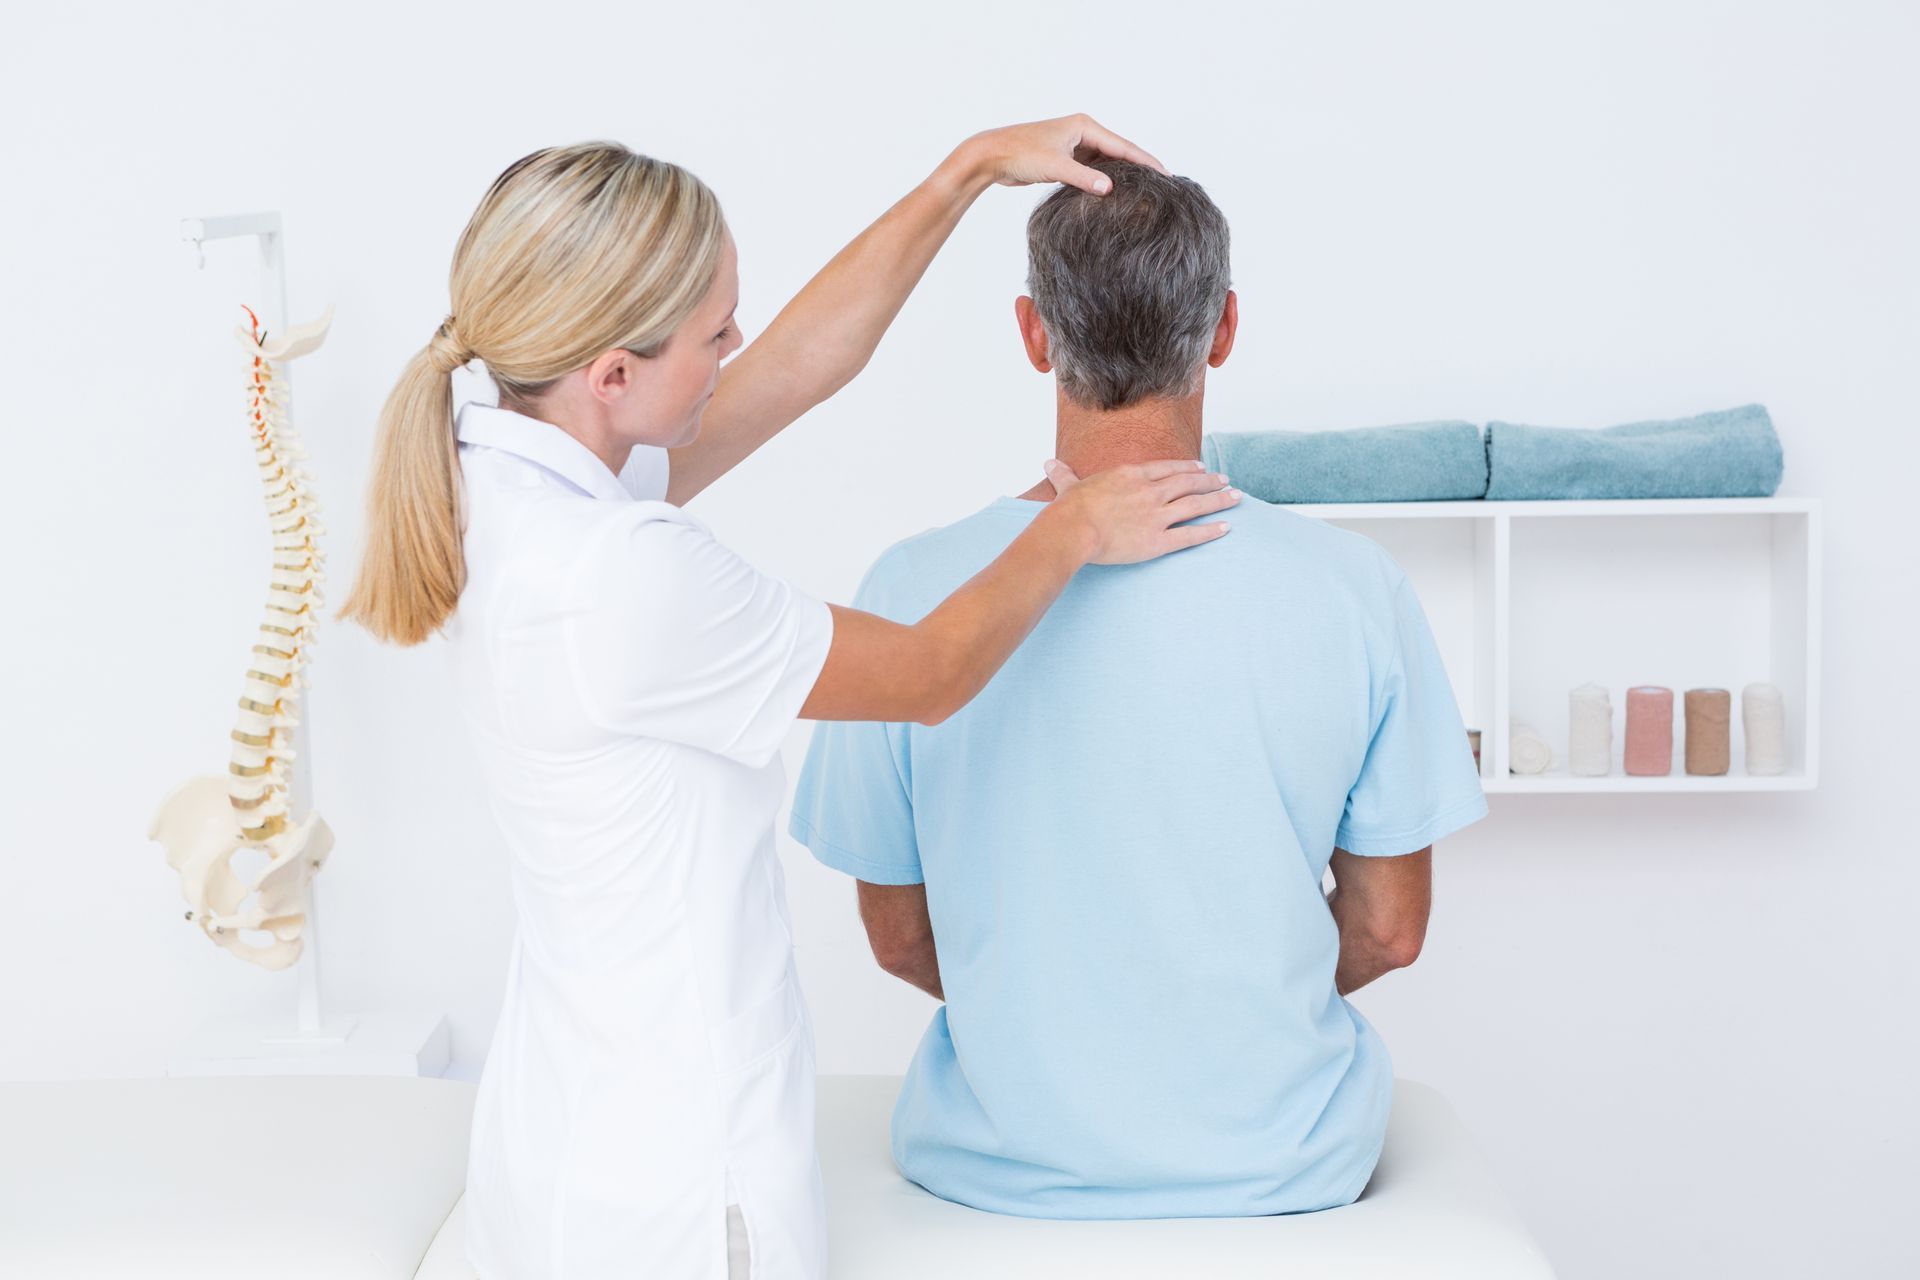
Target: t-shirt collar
(541, 443)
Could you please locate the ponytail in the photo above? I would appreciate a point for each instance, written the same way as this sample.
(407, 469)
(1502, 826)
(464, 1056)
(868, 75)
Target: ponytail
(413, 569)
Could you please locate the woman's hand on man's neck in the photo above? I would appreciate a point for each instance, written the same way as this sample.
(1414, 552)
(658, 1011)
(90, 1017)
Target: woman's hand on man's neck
(1090, 441)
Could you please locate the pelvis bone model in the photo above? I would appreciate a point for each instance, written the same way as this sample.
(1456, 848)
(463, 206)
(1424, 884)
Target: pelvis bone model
(208, 820)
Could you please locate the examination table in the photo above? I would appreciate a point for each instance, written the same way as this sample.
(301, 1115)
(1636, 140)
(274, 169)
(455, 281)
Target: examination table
(359, 1178)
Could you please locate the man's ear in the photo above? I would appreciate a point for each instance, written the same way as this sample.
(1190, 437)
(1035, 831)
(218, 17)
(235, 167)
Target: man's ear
(1033, 334)
(1224, 331)
(612, 374)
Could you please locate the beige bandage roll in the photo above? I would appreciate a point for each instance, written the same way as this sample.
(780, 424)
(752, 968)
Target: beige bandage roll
(1709, 730)
(1527, 750)
(1763, 715)
(1589, 732)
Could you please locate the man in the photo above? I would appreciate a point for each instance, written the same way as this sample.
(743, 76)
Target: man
(1109, 865)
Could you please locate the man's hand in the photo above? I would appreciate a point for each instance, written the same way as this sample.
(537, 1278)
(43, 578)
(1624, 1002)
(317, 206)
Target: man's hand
(1380, 906)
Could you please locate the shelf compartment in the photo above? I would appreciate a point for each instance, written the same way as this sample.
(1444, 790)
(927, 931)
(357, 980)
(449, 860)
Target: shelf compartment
(1529, 599)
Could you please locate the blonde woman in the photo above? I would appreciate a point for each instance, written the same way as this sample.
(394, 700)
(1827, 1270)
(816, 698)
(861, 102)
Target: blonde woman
(647, 1103)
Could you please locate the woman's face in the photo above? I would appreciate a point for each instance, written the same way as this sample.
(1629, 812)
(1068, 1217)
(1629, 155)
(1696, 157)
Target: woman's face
(679, 381)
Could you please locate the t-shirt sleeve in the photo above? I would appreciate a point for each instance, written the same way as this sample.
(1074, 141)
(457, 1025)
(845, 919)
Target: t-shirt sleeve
(677, 637)
(853, 806)
(1417, 782)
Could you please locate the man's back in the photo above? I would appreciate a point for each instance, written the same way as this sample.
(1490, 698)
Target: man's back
(1122, 840)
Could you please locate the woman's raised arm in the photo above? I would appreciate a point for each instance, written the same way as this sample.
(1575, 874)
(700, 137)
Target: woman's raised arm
(826, 334)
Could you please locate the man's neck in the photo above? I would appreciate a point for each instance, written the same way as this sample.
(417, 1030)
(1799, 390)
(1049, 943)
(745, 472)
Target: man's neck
(1090, 441)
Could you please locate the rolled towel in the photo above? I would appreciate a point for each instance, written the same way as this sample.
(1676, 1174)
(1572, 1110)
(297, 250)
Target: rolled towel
(1527, 751)
(1709, 712)
(1589, 732)
(1420, 462)
(1649, 750)
(1733, 453)
(1763, 714)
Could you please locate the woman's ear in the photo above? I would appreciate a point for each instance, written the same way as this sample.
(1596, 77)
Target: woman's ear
(612, 374)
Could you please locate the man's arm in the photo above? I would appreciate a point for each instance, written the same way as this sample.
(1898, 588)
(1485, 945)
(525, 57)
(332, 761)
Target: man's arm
(1380, 906)
(901, 933)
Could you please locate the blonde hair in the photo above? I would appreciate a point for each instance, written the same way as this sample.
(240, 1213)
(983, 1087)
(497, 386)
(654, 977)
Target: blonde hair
(573, 251)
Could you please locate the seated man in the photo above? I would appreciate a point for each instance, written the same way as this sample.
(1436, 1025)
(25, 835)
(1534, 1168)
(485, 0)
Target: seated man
(1109, 864)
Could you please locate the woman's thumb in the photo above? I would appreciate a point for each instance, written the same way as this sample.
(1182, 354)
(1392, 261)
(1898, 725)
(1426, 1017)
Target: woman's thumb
(1060, 474)
(1088, 178)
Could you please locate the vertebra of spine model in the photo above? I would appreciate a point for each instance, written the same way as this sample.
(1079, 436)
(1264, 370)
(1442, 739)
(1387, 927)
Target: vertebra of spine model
(209, 819)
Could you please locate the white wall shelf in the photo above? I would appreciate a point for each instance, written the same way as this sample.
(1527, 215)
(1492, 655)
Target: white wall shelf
(1529, 599)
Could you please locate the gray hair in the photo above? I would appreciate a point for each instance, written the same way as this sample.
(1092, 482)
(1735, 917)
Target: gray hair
(1130, 285)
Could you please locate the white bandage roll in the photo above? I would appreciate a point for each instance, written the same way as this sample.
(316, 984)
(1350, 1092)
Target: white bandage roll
(1527, 750)
(1763, 714)
(1589, 732)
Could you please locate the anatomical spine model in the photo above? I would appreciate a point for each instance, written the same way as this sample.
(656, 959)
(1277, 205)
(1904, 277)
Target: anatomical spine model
(207, 820)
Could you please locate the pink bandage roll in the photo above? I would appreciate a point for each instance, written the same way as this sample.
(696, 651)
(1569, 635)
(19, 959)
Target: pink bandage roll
(1649, 731)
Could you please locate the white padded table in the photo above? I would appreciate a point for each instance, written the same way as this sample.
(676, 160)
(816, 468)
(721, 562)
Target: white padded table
(293, 1177)
(359, 1179)
(1432, 1210)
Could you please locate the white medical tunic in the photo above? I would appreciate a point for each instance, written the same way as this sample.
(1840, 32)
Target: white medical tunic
(629, 681)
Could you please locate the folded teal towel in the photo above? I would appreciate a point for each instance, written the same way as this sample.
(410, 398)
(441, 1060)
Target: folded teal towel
(1730, 454)
(1414, 463)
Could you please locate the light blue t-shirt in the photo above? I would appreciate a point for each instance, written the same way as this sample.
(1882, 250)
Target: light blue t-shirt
(1122, 839)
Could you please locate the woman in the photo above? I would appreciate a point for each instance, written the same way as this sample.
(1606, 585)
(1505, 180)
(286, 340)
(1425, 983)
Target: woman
(647, 1103)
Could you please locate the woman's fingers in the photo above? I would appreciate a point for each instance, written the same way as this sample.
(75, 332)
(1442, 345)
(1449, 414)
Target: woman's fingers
(1170, 477)
(1161, 468)
(1183, 483)
(1057, 151)
(1192, 535)
(1075, 174)
(1104, 141)
(1200, 504)
(1130, 511)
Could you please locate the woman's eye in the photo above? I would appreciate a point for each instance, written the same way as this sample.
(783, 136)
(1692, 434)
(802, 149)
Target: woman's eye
(724, 334)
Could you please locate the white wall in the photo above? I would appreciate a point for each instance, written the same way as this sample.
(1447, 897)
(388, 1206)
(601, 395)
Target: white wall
(1681, 1025)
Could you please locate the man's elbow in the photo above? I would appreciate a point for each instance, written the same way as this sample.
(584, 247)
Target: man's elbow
(901, 953)
(1399, 946)
(894, 957)
(917, 966)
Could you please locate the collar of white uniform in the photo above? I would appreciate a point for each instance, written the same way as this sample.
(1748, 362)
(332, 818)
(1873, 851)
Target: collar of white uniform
(541, 443)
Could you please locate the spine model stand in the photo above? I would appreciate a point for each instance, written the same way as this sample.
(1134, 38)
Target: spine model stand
(209, 819)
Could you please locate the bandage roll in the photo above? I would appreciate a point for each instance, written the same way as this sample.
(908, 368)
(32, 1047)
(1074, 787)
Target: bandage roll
(1589, 732)
(1709, 727)
(1649, 750)
(1527, 751)
(1763, 715)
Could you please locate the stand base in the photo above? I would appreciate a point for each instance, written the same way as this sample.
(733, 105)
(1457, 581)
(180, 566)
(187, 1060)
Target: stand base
(368, 1044)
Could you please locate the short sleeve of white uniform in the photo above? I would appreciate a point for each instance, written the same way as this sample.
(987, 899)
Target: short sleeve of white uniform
(678, 638)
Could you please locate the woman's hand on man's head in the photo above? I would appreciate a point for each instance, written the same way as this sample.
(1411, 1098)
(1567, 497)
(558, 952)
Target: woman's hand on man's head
(1054, 151)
